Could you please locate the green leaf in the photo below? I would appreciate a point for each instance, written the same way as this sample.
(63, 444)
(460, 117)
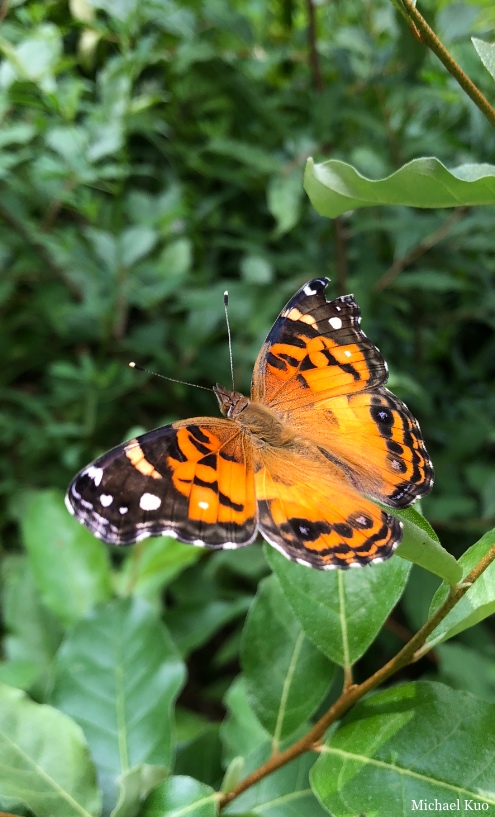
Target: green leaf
(416, 742)
(255, 158)
(193, 623)
(33, 59)
(118, 675)
(286, 676)
(134, 787)
(334, 187)
(284, 793)
(486, 53)
(341, 611)
(420, 545)
(240, 732)
(45, 761)
(135, 243)
(34, 634)
(284, 197)
(477, 603)
(201, 757)
(464, 668)
(432, 280)
(153, 565)
(181, 796)
(70, 566)
(256, 270)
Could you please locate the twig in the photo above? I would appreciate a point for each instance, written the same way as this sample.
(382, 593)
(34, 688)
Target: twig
(4, 7)
(407, 655)
(428, 37)
(420, 249)
(314, 58)
(39, 248)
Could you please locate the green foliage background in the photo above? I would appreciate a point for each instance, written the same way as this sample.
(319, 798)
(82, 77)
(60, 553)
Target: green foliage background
(151, 156)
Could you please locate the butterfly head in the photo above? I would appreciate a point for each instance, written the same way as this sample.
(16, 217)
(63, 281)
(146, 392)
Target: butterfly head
(231, 402)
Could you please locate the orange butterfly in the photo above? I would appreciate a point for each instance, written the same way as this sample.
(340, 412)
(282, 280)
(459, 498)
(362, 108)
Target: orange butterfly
(300, 461)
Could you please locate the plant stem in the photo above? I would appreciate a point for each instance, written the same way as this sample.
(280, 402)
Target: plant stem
(407, 655)
(314, 59)
(420, 249)
(430, 39)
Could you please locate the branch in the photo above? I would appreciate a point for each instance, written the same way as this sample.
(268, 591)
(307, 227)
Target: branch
(39, 249)
(428, 37)
(420, 249)
(407, 655)
(314, 59)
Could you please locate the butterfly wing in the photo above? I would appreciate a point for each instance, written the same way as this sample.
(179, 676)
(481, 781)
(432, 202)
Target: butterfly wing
(318, 369)
(192, 480)
(315, 518)
(315, 350)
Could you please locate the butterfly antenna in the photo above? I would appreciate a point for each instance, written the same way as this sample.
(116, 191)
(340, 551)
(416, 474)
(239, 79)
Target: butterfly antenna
(164, 377)
(226, 307)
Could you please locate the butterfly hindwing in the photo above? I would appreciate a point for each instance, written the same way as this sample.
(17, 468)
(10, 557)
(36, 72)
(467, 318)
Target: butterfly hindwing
(376, 442)
(321, 521)
(192, 480)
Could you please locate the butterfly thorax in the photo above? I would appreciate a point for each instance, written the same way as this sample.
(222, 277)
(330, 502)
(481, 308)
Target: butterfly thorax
(263, 424)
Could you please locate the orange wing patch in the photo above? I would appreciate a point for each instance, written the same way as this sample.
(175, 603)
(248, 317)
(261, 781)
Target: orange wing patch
(376, 441)
(321, 522)
(212, 470)
(314, 351)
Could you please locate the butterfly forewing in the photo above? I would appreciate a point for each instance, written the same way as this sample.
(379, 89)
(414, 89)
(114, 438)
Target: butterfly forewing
(192, 480)
(315, 350)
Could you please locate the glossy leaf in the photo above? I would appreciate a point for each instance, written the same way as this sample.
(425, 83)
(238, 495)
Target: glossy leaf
(486, 53)
(477, 603)
(285, 793)
(341, 611)
(134, 787)
(420, 545)
(334, 187)
(286, 676)
(44, 760)
(153, 564)
(414, 743)
(118, 674)
(70, 566)
(181, 796)
(241, 732)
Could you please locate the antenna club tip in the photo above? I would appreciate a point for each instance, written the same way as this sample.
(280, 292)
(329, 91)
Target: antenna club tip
(132, 364)
(226, 296)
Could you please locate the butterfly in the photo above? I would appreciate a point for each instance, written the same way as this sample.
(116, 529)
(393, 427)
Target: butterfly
(300, 461)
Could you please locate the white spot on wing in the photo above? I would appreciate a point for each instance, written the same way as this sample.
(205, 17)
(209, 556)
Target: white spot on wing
(96, 474)
(106, 500)
(150, 502)
(308, 291)
(335, 323)
(123, 509)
